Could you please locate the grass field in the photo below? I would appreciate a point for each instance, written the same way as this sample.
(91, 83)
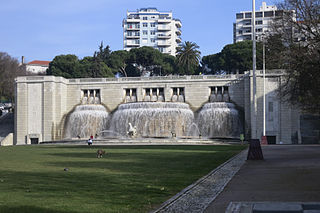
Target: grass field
(127, 179)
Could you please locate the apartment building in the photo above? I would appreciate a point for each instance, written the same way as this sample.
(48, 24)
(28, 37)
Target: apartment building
(242, 28)
(150, 27)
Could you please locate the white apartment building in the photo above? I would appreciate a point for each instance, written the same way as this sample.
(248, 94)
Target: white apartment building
(150, 27)
(242, 28)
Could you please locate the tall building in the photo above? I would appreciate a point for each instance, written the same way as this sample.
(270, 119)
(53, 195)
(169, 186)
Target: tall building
(242, 28)
(150, 27)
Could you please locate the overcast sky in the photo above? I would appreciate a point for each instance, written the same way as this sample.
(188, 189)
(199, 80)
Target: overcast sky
(42, 29)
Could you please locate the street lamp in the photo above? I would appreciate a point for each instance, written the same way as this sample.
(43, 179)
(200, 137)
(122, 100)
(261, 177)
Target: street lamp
(254, 66)
(264, 137)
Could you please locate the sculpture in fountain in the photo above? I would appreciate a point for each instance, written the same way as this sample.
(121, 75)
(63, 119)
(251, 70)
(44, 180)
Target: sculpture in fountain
(132, 133)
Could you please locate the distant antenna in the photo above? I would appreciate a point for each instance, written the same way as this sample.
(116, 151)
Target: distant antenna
(22, 60)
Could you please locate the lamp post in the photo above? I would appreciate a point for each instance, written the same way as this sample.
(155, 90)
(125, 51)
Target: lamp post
(264, 84)
(264, 140)
(254, 66)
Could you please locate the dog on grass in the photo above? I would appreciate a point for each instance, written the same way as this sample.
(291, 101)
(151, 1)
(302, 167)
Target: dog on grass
(100, 152)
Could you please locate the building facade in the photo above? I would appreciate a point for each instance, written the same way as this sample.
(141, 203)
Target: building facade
(37, 67)
(150, 27)
(242, 28)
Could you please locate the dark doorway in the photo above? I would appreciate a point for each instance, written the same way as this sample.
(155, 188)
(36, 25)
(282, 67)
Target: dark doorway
(34, 140)
(272, 139)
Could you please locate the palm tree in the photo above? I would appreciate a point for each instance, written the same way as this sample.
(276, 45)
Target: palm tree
(188, 56)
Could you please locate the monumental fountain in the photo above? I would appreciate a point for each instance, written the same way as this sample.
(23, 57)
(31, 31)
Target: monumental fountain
(158, 119)
(50, 108)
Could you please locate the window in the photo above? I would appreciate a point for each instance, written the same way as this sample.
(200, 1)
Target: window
(145, 32)
(258, 14)
(161, 49)
(153, 24)
(144, 40)
(138, 26)
(239, 15)
(152, 32)
(145, 24)
(270, 109)
(137, 33)
(137, 41)
(268, 14)
(240, 32)
(259, 30)
(145, 18)
(129, 33)
(259, 22)
(153, 40)
(247, 15)
(129, 26)
(247, 22)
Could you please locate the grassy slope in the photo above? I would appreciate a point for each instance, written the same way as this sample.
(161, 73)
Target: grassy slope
(127, 179)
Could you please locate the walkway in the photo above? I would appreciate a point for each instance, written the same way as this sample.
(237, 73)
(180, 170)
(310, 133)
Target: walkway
(6, 125)
(289, 173)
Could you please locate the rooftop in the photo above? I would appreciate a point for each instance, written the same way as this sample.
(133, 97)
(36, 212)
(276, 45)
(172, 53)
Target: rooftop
(38, 62)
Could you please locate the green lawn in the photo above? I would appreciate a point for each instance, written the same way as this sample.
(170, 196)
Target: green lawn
(127, 179)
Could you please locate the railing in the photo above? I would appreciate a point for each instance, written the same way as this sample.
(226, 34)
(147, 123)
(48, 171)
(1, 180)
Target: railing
(154, 78)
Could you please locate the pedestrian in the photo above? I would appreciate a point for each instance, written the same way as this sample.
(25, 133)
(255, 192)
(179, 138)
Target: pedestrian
(90, 142)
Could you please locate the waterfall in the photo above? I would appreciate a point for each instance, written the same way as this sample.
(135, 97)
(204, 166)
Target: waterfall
(86, 120)
(219, 119)
(153, 119)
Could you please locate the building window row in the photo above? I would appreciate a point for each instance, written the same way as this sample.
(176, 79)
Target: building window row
(259, 14)
(145, 24)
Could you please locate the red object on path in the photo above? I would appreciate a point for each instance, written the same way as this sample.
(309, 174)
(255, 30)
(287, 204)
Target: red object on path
(91, 137)
(264, 140)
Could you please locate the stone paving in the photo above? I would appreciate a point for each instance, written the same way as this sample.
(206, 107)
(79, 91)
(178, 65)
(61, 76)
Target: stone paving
(196, 197)
(289, 174)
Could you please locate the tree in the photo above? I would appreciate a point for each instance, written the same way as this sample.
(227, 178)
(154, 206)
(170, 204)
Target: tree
(67, 66)
(188, 57)
(103, 54)
(9, 70)
(118, 62)
(296, 47)
(233, 58)
(93, 67)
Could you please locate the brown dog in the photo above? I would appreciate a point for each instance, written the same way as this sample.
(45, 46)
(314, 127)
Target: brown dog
(100, 152)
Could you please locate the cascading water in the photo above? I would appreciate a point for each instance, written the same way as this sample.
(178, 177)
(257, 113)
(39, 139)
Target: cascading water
(219, 119)
(86, 120)
(153, 119)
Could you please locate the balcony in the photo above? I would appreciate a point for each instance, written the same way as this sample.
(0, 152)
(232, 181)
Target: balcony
(164, 20)
(133, 28)
(132, 36)
(178, 40)
(163, 44)
(163, 28)
(162, 36)
(131, 44)
(178, 32)
(178, 23)
(133, 20)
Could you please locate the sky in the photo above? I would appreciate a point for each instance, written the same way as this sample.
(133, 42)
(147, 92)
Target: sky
(43, 29)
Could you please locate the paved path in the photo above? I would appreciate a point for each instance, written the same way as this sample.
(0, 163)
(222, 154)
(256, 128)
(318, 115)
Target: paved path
(289, 173)
(6, 125)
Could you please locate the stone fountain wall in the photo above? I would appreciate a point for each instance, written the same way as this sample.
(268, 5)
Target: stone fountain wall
(43, 103)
